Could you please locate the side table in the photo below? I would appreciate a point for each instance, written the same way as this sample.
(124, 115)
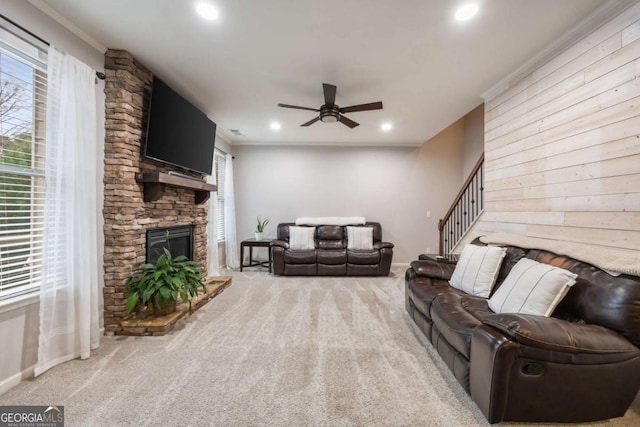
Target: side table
(253, 243)
(447, 259)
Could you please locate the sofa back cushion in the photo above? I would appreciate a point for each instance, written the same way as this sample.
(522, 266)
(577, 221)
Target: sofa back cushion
(597, 297)
(283, 231)
(331, 237)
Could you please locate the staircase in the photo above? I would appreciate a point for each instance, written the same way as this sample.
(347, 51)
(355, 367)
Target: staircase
(467, 206)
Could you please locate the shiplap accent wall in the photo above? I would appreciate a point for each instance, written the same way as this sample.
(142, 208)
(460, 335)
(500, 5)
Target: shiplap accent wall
(562, 144)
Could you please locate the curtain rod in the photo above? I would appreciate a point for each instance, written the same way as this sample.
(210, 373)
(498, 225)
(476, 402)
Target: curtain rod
(99, 74)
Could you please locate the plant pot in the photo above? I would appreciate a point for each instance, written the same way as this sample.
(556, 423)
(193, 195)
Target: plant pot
(258, 235)
(168, 307)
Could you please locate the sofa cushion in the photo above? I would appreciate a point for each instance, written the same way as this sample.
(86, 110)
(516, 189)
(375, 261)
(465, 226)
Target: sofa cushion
(363, 269)
(363, 257)
(301, 238)
(330, 232)
(457, 316)
(331, 257)
(423, 290)
(360, 238)
(532, 288)
(477, 269)
(511, 258)
(597, 297)
(331, 237)
(332, 270)
(300, 257)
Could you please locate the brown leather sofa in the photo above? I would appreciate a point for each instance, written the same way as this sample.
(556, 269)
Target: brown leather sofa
(581, 364)
(331, 256)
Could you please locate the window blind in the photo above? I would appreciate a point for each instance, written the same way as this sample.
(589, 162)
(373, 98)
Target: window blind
(220, 163)
(23, 83)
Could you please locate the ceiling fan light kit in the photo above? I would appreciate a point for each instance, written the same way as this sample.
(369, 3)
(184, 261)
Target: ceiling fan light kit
(330, 112)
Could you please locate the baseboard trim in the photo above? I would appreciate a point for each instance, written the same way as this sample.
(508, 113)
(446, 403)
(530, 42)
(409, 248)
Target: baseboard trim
(14, 380)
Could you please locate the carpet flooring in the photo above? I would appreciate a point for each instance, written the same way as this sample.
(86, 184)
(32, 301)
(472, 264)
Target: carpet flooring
(271, 351)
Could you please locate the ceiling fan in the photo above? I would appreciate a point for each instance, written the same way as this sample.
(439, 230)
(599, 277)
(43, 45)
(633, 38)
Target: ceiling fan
(330, 112)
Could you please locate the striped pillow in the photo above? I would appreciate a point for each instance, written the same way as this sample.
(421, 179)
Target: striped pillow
(477, 269)
(301, 238)
(532, 288)
(360, 238)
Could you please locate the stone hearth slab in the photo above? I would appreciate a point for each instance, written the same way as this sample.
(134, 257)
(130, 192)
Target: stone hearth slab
(148, 324)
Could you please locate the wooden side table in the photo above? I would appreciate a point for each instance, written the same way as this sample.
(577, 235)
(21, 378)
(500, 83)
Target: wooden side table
(253, 243)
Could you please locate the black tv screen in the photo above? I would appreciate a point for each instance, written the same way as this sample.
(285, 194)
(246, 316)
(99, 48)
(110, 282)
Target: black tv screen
(177, 132)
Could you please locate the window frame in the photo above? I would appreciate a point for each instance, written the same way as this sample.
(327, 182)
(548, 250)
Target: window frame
(220, 165)
(25, 52)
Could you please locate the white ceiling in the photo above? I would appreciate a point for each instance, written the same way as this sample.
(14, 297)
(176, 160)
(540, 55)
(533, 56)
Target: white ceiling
(428, 69)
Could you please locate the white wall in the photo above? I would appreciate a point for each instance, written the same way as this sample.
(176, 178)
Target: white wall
(394, 186)
(19, 323)
(473, 139)
(562, 155)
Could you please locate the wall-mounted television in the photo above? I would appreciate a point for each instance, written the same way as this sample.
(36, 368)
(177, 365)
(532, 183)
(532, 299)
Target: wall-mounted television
(177, 132)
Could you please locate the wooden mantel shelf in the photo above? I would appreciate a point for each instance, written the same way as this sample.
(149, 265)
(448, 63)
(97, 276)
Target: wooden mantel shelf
(155, 182)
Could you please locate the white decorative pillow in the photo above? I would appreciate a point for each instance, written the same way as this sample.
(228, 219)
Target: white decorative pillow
(360, 238)
(532, 288)
(301, 238)
(477, 269)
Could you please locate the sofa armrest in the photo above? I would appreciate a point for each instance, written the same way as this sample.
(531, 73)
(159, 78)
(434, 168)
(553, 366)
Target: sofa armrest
(382, 245)
(279, 243)
(433, 269)
(549, 333)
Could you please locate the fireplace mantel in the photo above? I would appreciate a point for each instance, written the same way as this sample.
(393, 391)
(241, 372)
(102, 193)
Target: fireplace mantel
(155, 182)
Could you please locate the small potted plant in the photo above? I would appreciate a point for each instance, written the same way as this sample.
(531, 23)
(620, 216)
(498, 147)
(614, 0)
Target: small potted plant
(260, 227)
(163, 282)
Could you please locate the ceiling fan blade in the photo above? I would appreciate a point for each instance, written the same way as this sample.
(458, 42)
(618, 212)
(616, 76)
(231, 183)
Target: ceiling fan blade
(329, 94)
(362, 107)
(297, 108)
(348, 122)
(310, 122)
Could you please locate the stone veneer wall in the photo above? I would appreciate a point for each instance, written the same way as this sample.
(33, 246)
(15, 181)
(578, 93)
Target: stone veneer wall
(126, 215)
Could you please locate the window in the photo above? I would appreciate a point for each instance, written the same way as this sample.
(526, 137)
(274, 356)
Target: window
(220, 163)
(23, 85)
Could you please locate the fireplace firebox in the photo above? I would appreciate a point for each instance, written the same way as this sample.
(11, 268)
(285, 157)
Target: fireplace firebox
(179, 241)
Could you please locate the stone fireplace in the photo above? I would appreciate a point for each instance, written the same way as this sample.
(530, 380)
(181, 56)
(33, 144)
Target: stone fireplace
(127, 217)
(179, 241)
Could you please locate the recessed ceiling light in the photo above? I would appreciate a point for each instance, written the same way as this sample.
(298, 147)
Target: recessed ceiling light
(466, 12)
(275, 126)
(386, 127)
(207, 11)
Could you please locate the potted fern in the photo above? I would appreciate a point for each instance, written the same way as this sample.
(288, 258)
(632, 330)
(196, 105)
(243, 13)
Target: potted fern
(260, 227)
(163, 282)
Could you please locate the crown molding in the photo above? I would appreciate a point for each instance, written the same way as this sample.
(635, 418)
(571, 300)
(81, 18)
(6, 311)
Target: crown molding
(56, 16)
(598, 17)
(224, 138)
(328, 144)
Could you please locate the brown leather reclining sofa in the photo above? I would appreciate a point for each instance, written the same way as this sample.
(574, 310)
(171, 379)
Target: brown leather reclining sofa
(331, 256)
(581, 364)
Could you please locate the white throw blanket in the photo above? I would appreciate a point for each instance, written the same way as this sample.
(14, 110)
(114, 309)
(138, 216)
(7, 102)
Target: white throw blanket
(331, 220)
(612, 260)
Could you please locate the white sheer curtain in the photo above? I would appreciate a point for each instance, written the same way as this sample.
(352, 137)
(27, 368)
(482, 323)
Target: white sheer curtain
(69, 292)
(231, 243)
(213, 268)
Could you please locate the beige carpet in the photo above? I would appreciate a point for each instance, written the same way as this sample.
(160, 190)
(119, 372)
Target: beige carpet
(270, 351)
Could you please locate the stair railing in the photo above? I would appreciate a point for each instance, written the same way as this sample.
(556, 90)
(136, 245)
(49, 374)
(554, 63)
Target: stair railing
(466, 207)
